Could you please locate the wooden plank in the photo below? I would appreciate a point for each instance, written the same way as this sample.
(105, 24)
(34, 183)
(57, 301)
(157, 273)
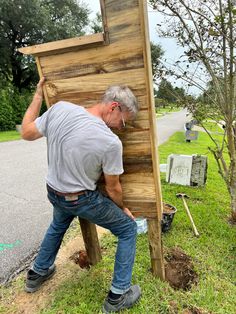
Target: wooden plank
(37, 59)
(155, 248)
(88, 99)
(61, 46)
(138, 185)
(104, 21)
(141, 208)
(135, 167)
(154, 226)
(134, 149)
(132, 134)
(121, 63)
(117, 58)
(63, 89)
(91, 242)
(152, 117)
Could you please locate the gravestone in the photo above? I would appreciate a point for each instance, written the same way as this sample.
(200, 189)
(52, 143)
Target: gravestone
(186, 169)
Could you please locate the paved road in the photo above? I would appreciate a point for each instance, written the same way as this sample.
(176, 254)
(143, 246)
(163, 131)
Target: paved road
(169, 124)
(24, 210)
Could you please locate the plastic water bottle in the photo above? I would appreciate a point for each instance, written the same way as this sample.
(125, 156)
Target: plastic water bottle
(141, 224)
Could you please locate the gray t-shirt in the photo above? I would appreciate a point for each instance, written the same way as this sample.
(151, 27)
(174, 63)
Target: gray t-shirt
(80, 148)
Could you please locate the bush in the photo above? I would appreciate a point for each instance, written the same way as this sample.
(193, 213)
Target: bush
(19, 103)
(6, 112)
(13, 107)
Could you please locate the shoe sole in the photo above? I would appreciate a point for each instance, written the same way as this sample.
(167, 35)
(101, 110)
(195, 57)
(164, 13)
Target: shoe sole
(32, 290)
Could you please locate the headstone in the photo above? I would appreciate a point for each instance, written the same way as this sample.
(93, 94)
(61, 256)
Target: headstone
(191, 135)
(179, 169)
(199, 170)
(186, 169)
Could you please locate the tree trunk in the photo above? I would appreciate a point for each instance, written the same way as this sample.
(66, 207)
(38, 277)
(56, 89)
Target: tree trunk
(232, 189)
(232, 169)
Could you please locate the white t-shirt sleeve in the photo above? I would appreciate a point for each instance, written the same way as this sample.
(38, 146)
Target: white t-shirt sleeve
(112, 159)
(42, 122)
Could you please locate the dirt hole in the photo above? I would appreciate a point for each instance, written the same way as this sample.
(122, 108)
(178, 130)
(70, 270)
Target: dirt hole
(179, 270)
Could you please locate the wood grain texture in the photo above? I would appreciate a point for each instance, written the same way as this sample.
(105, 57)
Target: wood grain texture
(155, 248)
(61, 46)
(91, 242)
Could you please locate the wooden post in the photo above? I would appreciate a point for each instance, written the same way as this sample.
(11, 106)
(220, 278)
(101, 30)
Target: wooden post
(91, 241)
(155, 247)
(154, 225)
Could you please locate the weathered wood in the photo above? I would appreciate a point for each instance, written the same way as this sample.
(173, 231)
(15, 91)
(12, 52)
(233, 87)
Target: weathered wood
(154, 226)
(155, 247)
(41, 75)
(91, 242)
(61, 46)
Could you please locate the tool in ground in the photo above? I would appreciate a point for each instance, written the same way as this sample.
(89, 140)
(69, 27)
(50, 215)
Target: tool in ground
(183, 196)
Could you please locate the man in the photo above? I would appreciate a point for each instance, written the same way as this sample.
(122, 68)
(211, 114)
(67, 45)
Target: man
(81, 146)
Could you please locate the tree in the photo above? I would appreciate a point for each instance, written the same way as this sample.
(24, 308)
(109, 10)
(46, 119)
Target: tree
(206, 29)
(96, 24)
(29, 22)
(166, 91)
(156, 55)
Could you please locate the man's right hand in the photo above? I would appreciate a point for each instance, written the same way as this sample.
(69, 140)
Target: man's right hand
(39, 89)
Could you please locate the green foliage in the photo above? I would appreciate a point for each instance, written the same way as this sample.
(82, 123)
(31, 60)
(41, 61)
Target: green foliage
(13, 107)
(168, 94)
(29, 22)
(19, 103)
(96, 24)
(156, 54)
(6, 112)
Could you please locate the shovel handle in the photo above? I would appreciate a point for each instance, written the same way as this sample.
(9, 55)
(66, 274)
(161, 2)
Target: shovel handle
(191, 218)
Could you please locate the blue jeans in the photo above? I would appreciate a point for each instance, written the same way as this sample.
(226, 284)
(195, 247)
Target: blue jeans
(101, 211)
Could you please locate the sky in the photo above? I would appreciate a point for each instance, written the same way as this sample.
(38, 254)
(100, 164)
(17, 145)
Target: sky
(172, 51)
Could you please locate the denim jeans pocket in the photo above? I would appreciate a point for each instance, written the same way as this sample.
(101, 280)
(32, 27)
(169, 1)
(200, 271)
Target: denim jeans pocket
(81, 201)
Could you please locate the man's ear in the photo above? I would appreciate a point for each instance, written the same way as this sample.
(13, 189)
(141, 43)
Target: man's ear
(114, 105)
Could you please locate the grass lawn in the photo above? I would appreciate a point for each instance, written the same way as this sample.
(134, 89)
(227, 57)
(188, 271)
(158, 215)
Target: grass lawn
(9, 136)
(213, 253)
(160, 111)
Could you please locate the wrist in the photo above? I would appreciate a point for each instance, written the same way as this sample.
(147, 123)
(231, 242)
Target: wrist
(38, 96)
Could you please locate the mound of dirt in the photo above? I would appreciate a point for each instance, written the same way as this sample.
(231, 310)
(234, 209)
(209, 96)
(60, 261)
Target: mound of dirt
(179, 270)
(81, 258)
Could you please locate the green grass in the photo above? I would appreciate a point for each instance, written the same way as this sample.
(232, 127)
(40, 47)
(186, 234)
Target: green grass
(212, 126)
(213, 253)
(9, 136)
(160, 111)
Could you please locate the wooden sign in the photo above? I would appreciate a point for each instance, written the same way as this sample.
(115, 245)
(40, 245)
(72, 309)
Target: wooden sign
(80, 69)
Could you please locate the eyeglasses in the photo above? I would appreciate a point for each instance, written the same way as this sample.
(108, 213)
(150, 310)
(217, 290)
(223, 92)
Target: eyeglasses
(122, 117)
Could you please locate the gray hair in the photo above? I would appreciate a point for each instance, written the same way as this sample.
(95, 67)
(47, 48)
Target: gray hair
(123, 95)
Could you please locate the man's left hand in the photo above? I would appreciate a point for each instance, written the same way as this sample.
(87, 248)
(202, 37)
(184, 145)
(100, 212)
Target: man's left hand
(128, 212)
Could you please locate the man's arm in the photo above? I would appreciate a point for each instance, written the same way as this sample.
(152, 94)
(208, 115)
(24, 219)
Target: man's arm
(114, 191)
(29, 130)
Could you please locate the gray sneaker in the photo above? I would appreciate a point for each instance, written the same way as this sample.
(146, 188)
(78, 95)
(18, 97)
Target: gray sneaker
(34, 280)
(126, 301)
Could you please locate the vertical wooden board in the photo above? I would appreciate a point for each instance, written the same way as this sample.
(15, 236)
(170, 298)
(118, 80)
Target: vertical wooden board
(152, 117)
